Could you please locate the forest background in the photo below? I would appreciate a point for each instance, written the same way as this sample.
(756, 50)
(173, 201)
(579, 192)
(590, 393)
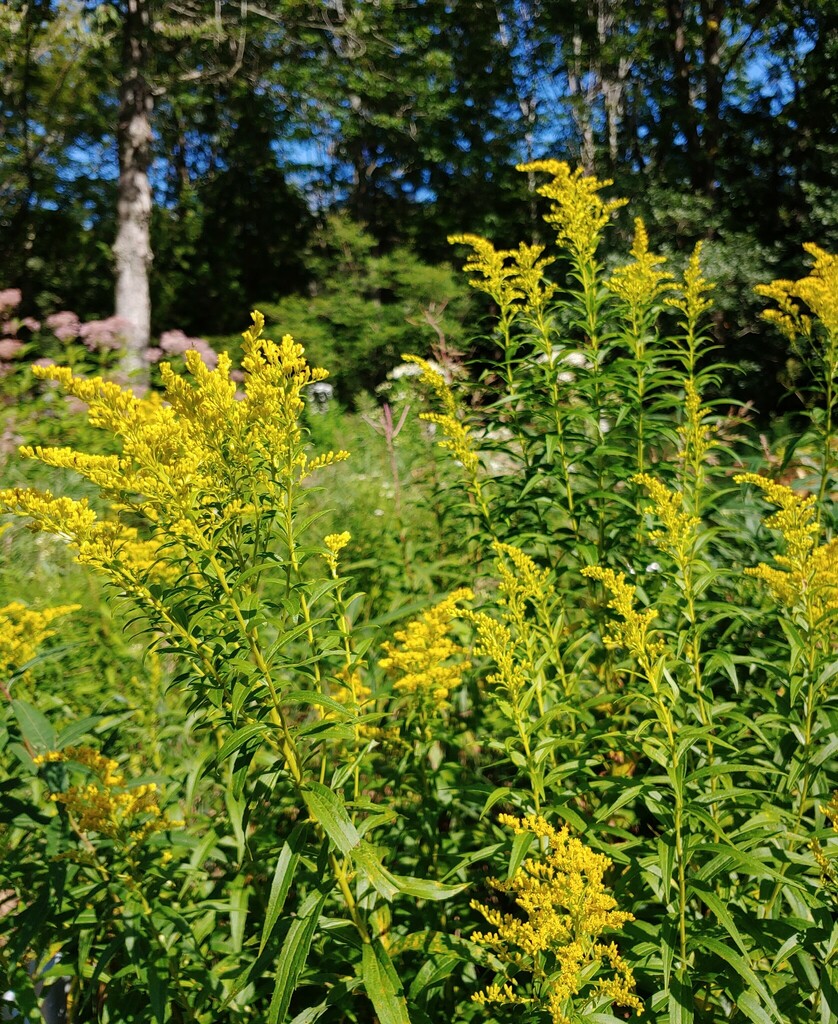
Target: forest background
(312, 157)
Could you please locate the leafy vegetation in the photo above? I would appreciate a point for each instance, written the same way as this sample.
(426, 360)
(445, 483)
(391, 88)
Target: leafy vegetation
(257, 124)
(570, 754)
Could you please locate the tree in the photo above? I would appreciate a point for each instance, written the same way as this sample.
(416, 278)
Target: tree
(49, 89)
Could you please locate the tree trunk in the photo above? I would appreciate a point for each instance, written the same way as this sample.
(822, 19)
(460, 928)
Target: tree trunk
(132, 248)
(583, 89)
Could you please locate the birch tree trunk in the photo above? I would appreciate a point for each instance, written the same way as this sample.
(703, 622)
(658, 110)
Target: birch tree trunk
(132, 248)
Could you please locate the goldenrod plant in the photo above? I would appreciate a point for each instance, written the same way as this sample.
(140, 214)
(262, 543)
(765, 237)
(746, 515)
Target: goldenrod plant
(295, 802)
(216, 567)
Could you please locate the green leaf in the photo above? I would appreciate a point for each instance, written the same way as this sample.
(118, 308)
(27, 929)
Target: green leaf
(681, 1005)
(501, 793)
(829, 994)
(286, 865)
(311, 697)
(327, 808)
(520, 846)
(749, 1004)
(383, 986)
(293, 957)
(157, 992)
(722, 915)
(389, 884)
(239, 738)
(76, 731)
(239, 898)
(669, 938)
(426, 888)
(744, 970)
(235, 811)
(370, 866)
(34, 727)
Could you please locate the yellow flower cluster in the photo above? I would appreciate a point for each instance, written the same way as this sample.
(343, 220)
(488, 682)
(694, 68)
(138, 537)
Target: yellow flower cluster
(424, 659)
(106, 805)
(576, 211)
(526, 583)
(335, 543)
(640, 283)
(697, 436)
(522, 584)
(513, 278)
(530, 264)
(634, 633)
(693, 301)
(808, 575)
(567, 908)
(495, 641)
(189, 461)
(104, 544)
(819, 291)
(831, 811)
(679, 528)
(22, 631)
(457, 438)
(493, 272)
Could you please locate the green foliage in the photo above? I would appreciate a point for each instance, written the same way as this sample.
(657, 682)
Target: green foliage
(367, 308)
(594, 603)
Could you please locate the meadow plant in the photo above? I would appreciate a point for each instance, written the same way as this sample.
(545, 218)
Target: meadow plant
(632, 669)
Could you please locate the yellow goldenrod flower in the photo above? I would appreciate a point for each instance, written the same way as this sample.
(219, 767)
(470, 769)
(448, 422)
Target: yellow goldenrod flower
(190, 462)
(423, 658)
(496, 271)
(696, 434)
(678, 533)
(335, 543)
(576, 211)
(456, 434)
(107, 805)
(634, 633)
(22, 631)
(530, 264)
(692, 300)
(831, 811)
(807, 576)
(640, 283)
(527, 583)
(819, 290)
(494, 640)
(566, 908)
(435, 383)
(457, 439)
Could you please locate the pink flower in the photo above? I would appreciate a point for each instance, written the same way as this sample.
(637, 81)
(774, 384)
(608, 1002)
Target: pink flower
(30, 323)
(101, 335)
(65, 325)
(152, 355)
(43, 361)
(176, 342)
(9, 299)
(9, 348)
